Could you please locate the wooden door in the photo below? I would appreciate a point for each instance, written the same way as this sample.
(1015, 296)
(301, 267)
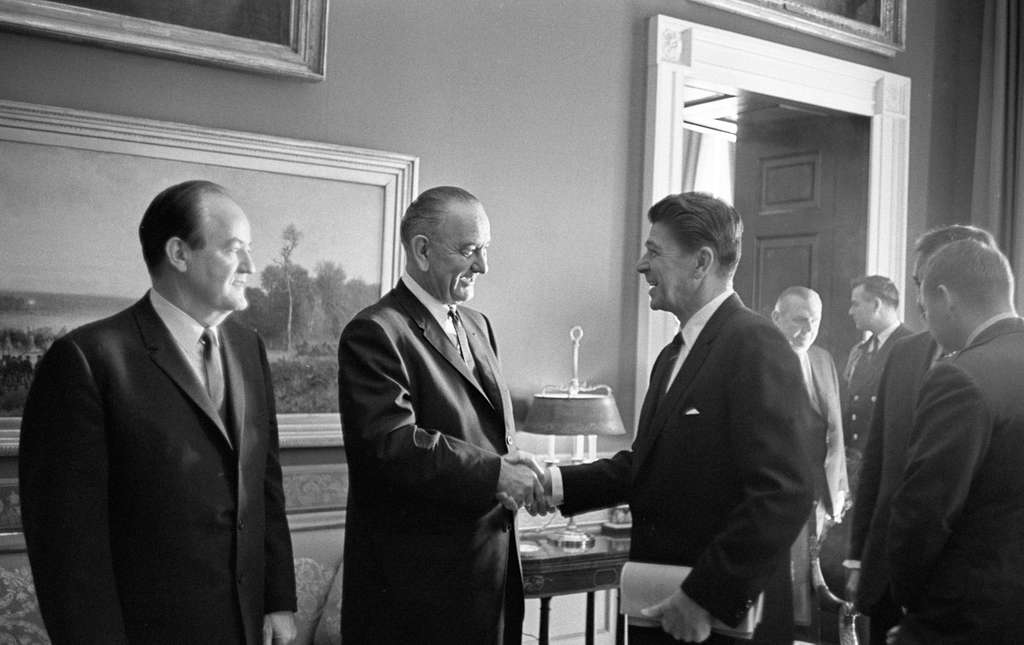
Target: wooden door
(802, 188)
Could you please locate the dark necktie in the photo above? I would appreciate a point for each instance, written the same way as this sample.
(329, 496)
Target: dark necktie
(214, 369)
(862, 366)
(461, 338)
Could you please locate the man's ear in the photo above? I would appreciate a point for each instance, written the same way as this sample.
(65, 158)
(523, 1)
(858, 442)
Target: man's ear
(419, 252)
(178, 254)
(949, 299)
(705, 258)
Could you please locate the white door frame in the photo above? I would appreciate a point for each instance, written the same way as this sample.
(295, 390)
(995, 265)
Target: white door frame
(681, 51)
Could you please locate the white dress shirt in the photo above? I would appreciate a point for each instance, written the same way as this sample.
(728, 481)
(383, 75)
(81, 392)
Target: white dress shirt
(186, 332)
(437, 309)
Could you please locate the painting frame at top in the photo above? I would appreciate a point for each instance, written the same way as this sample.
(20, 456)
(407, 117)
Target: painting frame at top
(301, 55)
(887, 37)
(75, 185)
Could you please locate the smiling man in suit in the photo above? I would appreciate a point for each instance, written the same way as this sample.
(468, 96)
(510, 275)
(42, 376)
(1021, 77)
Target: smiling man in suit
(150, 484)
(954, 539)
(430, 553)
(717, 478)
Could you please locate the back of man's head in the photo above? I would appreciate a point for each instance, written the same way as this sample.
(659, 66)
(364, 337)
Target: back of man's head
(175, 212)
(976, 273)
(425, 213)
(699, 219)
(935, 239)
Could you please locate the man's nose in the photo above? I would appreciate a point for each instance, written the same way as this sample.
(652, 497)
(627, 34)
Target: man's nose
(480, 261)
(246, 264)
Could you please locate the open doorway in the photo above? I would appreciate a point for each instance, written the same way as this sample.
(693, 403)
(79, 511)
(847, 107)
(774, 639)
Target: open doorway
(798, 175)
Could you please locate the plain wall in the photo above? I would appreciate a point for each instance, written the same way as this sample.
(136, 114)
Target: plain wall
(537, 106)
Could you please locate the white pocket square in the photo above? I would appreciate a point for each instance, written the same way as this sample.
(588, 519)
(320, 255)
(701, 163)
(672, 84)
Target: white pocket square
(690, 412)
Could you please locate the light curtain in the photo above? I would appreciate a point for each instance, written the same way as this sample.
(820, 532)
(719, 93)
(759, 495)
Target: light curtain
(998, 188)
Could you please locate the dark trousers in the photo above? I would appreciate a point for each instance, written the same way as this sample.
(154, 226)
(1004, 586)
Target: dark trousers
(884, 615)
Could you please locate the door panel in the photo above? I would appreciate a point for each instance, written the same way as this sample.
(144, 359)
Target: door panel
(801, 189)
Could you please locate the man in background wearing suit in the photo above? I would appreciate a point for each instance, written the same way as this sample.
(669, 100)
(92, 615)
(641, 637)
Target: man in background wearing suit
(885, 452)
(716, 478)
(430, 553)
(797, 314)
(150, 483)
(957, 517)
(874, 307)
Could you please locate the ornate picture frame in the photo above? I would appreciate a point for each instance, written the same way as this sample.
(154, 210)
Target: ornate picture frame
(875, 25)
(298, 50)
(81, 181)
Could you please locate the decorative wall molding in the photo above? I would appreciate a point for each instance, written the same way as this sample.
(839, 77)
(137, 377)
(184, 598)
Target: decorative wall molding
(679, 51)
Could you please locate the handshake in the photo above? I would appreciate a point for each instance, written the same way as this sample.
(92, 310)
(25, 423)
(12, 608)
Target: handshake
(524, 483)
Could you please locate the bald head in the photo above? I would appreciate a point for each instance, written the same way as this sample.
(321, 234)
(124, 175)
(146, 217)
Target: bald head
(797, 315)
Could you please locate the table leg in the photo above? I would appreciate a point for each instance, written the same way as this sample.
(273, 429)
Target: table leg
(545, 611)
(620, 621)
(589, 638)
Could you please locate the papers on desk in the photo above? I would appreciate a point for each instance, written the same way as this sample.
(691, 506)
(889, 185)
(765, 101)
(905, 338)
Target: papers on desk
(644, 584)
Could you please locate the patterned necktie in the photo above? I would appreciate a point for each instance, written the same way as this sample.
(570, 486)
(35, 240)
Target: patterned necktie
(461, 338)
(214, 369)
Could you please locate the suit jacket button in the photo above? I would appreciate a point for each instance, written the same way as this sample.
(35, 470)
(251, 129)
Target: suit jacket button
(508, 440)
(853, 417)
(856, 397)
(874, 398)
(855, 436)
(241, 525)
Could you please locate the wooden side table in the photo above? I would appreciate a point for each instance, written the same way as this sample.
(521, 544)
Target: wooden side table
(549, 570)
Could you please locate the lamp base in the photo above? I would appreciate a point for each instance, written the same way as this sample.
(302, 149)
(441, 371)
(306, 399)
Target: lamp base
(571, 538)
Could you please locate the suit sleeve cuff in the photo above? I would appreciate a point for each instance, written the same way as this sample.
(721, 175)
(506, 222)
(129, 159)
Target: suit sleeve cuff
(557, 490)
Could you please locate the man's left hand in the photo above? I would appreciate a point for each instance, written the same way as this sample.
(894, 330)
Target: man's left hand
(279, 627)
(681, 618)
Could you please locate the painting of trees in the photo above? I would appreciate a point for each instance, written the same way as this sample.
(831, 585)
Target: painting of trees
(300, 314)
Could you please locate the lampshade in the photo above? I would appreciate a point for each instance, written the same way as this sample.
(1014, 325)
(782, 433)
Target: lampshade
(585, 412)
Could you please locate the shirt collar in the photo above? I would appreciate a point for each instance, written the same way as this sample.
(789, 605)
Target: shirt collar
(437, 309)
(691, 330)
(185, 329)
(883, 335)
(988, 323)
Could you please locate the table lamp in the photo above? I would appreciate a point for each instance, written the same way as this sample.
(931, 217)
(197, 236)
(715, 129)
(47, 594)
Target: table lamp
(577, 410)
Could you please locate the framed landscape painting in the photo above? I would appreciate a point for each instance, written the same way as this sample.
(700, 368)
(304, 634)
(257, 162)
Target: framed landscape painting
(282, 37)
(875, 25)
(75, 184)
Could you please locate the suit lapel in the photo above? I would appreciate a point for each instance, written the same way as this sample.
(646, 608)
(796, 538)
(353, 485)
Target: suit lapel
(645, 433)
(687, 373)
(486, 361)
(434, 335)
(234, 375)
(165, 353)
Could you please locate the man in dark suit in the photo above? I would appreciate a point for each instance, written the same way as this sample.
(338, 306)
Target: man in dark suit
(150, 483)
(430, 553)
(717, 478)
(885, 453)
(954, 541)
(874, 307)
(797, 314)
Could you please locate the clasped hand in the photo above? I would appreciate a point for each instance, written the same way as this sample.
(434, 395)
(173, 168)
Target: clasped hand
(524, 482)
(681, 618)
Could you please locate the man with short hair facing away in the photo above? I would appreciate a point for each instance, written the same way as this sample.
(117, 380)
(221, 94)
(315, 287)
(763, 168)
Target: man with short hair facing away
(716, 478)
(430, 551)
(797, 314)
(885, 453)
(150, 483)
(957, 517)
(874, 308)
